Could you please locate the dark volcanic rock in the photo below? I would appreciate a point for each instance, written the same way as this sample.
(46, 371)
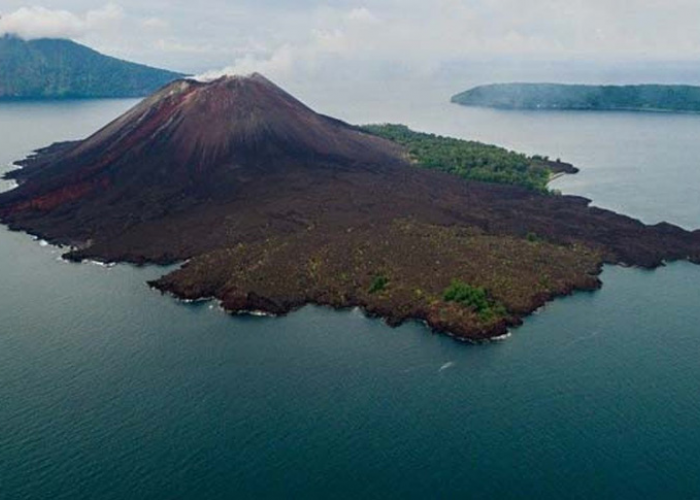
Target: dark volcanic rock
(560, 167)
(277, 206)
(190, 143)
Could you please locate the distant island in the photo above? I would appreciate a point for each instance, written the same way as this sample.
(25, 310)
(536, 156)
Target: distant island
(272, 206)
(62, 69)
(552, 96)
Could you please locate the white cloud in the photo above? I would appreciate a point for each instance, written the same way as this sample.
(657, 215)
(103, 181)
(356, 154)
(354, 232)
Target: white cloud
(281, 62)
(105, 17)
(40, 22)
(363, 15)
(155, 24)
(310, 38)
(422, 36)
(332, 34)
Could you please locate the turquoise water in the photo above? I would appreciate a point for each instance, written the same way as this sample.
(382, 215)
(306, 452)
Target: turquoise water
(110, 391)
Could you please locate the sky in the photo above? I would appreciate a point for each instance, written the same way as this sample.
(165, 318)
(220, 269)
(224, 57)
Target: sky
(399, 38)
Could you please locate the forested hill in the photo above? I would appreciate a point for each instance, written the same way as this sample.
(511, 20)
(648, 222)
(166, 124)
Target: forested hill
(671, 98)
(57, 68)
(473, 160)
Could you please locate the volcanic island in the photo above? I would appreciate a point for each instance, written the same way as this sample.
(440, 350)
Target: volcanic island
(270, 206)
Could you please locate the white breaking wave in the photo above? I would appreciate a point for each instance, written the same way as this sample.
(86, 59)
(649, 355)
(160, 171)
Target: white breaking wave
(501, 338)
(256, 313)
(101, 264)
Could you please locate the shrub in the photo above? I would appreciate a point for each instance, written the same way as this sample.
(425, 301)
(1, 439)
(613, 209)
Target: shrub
(379, 283)
(475, 298)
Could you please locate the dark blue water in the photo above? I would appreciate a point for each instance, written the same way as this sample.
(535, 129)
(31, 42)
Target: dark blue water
(110, 391)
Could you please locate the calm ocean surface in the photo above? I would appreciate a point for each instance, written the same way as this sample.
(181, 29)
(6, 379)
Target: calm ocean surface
(110, 391)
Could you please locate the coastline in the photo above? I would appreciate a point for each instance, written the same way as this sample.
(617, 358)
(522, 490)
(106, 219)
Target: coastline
(188, 284)
(258, 306)
(254, 306)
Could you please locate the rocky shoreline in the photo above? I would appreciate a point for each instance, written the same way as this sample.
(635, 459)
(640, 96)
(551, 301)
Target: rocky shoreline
(255, 305)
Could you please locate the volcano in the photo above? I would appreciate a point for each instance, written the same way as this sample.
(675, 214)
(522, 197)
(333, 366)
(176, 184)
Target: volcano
(275, 206)
(187, 144)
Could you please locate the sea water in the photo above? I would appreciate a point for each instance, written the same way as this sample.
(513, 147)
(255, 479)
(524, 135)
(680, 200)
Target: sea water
(109, 390)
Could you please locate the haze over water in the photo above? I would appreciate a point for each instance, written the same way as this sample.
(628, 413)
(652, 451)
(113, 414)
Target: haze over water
(110, 391)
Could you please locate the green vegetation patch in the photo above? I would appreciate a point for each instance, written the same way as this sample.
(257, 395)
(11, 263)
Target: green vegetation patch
(379, 283)
(468, 159)
(475, 298)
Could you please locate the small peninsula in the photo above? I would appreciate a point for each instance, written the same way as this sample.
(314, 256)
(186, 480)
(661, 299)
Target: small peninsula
(272, 206)
(553, 96)
(62, 69)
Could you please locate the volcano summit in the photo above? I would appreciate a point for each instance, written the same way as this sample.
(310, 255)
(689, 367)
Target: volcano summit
(274, 206)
